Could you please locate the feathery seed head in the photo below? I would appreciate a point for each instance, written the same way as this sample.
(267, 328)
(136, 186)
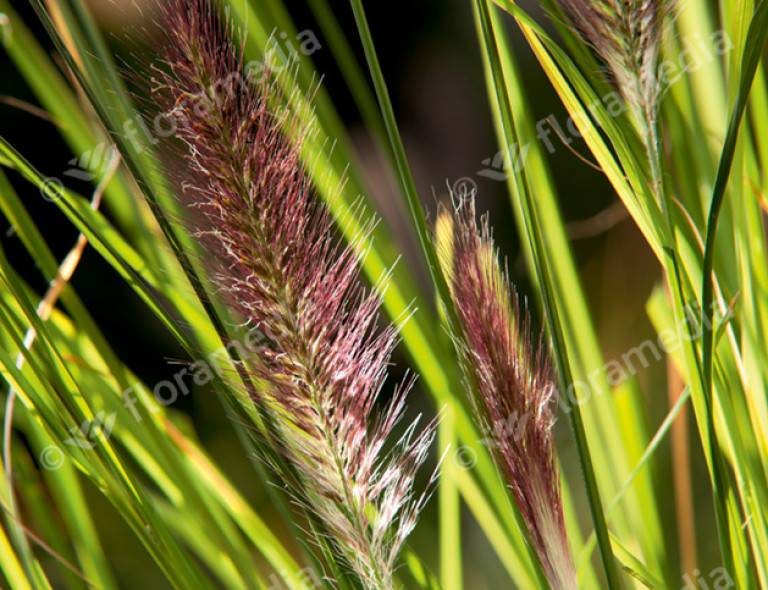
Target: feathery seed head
(627, 36)
(278, 264)
(510, 372)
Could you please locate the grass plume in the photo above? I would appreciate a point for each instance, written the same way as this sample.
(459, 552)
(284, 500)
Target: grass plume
(323, 361)
(512, 376)
(626, 34)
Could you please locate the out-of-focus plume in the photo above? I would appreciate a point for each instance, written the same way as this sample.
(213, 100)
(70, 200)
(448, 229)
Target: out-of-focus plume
(627, 36)
(277, 263)
(511, 377)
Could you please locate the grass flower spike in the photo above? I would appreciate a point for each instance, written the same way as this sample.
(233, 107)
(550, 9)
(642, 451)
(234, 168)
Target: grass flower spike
(510, 372)
(627, 36)
(281, 268)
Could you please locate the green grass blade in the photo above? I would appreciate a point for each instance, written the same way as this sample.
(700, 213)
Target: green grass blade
(606, 419)
(405, 176)
(351, 70)
(449, 499)
(418, 216)
(533, 233)
(635, 568)
(650, 451)
(755, 44)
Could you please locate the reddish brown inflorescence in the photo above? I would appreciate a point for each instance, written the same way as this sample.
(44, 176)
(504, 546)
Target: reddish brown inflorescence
(510, 373)
(280, 267)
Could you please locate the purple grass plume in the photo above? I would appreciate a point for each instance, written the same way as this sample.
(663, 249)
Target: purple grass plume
(627, 36)
(323, 360)
(510, 372)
